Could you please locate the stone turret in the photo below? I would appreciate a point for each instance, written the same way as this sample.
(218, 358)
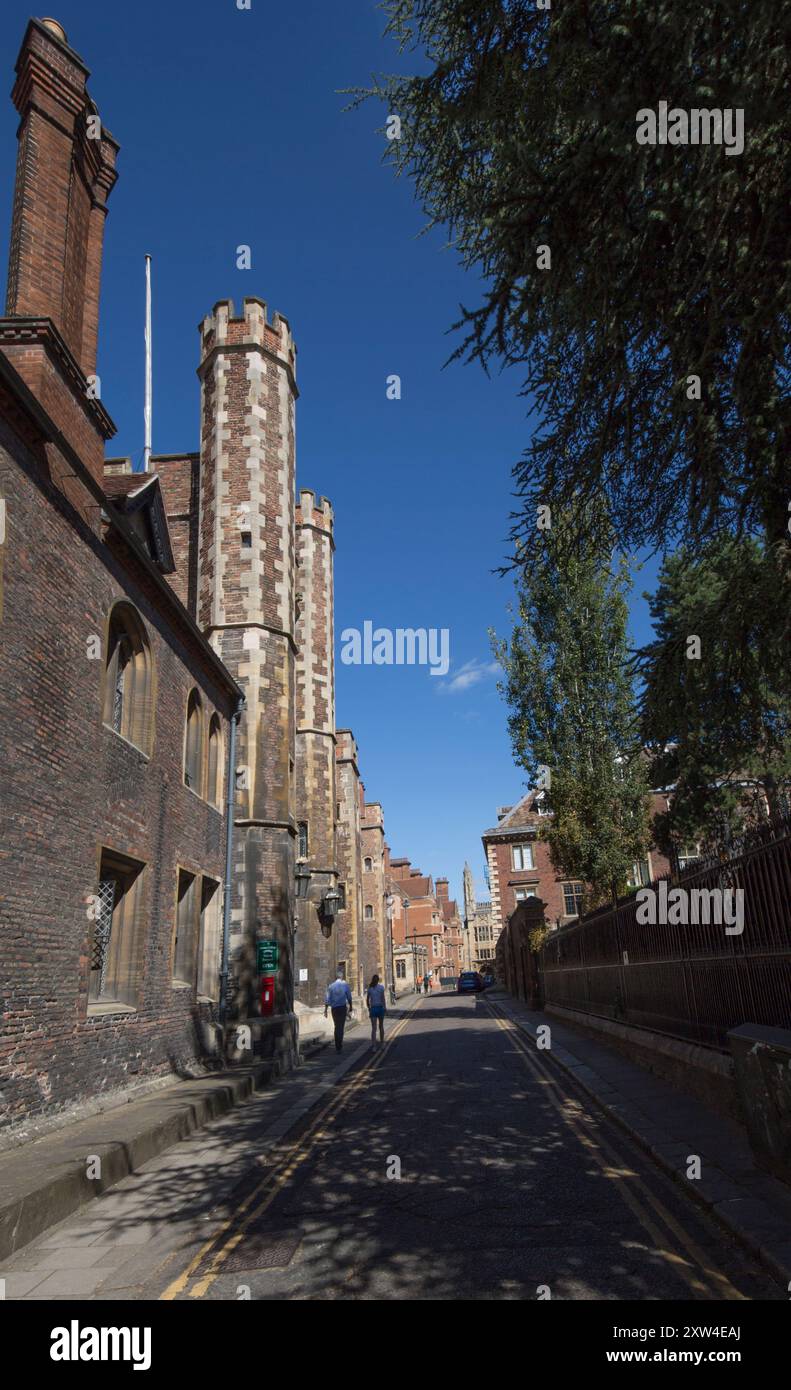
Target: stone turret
(316, 939)
(246, 608)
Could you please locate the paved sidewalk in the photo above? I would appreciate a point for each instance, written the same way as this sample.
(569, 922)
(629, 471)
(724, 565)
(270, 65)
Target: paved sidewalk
(752, 1205)
(173, 1202)
(98, 1245)
(44, 1181)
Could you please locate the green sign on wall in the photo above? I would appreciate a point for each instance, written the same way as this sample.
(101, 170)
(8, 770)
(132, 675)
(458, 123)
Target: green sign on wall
(266, 957)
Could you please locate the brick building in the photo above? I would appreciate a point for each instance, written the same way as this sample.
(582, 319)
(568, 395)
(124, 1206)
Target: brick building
(146, 622)
(425, 917)
(408, 955)
(376, 923)
(519, 866)
(116, 709)
(479, 931)
(453, 937)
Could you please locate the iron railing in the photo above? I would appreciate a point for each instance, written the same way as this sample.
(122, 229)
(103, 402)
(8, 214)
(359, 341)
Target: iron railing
(693, 981)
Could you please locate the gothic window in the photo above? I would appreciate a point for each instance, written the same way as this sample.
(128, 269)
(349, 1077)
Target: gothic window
(185, 942)
(210, 943)
(128, 680)
(113, 957)
(369, 912)
(214, 788)
(303, 840)
(193, 743)
(369, 864)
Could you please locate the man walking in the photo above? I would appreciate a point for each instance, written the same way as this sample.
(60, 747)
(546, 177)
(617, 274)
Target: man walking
(339, 999)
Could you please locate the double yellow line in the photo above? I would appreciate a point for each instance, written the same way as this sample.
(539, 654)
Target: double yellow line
(232, 1231)
(629, 1185)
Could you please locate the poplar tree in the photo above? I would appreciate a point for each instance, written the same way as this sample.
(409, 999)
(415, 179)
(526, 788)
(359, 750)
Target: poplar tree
(569, 689)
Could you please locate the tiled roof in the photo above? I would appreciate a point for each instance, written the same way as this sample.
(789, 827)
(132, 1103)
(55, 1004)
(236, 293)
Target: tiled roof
(136, 494)
(125, 484)
(418, 885)
(520, 816)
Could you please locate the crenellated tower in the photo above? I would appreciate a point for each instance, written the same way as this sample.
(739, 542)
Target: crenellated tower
(246, 606)
(316, 939)
(349, 824)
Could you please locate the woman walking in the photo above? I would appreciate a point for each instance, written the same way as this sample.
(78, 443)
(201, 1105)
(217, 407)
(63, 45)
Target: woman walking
(375, 999)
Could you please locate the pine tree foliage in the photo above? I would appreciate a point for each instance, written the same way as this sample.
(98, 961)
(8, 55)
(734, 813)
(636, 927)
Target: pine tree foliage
(667, 261)
(719, 723)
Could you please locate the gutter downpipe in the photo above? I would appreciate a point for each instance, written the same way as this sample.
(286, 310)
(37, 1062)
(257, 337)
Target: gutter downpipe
(226, 904)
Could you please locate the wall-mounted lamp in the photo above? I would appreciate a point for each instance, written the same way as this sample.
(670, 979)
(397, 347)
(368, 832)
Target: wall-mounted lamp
(331, 902)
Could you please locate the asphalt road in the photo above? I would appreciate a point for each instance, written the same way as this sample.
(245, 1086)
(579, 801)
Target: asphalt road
(456, 1163)
(510, 1186)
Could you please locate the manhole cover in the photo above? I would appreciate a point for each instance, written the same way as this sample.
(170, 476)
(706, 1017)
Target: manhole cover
(263, 1250)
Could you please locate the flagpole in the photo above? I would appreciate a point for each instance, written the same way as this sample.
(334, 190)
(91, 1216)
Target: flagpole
(147, 410)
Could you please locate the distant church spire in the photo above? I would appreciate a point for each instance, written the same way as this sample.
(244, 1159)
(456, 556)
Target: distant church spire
(469, 894)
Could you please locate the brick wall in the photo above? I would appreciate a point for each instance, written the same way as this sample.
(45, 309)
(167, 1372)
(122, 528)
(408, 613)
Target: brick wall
(70, 786)
(348, 923)
(179, 479)
(373, 879)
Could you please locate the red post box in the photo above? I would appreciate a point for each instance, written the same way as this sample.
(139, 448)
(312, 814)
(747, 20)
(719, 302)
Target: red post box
(267, 994)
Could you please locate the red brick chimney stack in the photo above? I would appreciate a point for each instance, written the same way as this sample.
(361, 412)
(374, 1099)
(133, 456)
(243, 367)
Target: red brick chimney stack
(65, 172)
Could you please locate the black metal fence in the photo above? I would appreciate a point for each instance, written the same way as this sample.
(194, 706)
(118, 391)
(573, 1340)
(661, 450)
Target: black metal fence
(692, 981)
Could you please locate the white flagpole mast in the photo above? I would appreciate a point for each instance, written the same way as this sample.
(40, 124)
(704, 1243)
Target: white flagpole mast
(147, 411)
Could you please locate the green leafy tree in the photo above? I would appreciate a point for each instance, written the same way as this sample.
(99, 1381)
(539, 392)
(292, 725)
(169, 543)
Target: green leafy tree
(668, 262)
(719, 724)
(572, 710)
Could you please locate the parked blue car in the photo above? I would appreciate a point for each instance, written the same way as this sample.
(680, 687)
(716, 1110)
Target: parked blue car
(469, 982)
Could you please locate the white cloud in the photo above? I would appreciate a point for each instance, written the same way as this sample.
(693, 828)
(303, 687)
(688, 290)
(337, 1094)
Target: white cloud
(471, 673)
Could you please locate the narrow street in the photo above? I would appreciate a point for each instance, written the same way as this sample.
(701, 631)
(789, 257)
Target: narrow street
(512, 1186)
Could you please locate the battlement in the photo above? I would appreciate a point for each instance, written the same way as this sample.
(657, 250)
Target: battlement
(310, 512)
(346, 745)
(223, 328)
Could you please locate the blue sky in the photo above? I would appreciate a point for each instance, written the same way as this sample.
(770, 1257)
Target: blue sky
(232, 131)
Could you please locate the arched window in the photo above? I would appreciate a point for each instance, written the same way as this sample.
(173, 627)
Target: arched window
(368, 866)
(214, 787)
(129, 678)
(369, 912)
(193, 743)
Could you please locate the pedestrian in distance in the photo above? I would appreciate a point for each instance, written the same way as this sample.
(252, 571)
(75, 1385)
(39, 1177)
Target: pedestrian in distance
(426, 984)
(393, 995)
(375, 999)
(339, 999)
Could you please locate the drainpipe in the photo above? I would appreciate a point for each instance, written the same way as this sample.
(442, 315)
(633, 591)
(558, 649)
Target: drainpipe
(229, 817)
